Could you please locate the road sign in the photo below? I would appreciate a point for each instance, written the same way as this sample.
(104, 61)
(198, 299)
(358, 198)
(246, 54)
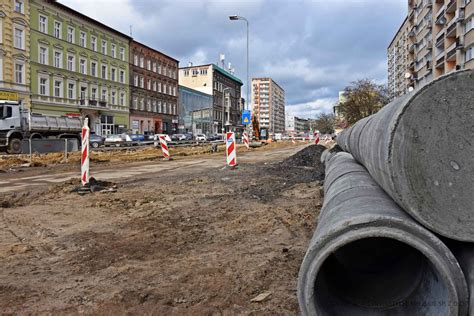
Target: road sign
(246, 117)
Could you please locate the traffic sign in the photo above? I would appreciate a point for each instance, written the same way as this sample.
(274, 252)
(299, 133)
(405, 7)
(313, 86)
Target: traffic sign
(246, 117)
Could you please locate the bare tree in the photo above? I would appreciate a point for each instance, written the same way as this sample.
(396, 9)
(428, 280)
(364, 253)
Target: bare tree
(324, 122)
(362, 98)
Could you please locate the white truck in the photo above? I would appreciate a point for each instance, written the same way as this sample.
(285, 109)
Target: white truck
(17, 124)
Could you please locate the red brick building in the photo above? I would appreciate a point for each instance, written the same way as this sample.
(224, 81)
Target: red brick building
(154, 91)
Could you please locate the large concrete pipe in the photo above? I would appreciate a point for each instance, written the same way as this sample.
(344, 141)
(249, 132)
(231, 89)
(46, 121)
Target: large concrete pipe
(419, 149)
(464, 253)
(368, 257)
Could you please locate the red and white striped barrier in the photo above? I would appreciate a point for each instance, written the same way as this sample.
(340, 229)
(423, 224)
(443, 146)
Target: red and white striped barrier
(85, 153)
(316, 138)
(230, 149)
(164, 146)
(246, 140)
(293, 140)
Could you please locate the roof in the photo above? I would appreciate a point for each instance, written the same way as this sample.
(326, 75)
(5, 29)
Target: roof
(269, 79)
(398, 31)
(150, 48)
(85, 17)
(218, 69)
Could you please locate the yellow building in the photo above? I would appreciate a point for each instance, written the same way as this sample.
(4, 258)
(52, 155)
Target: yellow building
(15, 51)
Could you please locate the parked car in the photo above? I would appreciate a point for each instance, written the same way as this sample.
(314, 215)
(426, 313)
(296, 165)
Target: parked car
(178, 137)
(137, 137)
(96, 141)
(215, 137)
(114, 139)
(149, 135)
(188, 136)
(201, 137)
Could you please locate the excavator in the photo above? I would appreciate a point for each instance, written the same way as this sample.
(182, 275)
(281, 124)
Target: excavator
(259, 134)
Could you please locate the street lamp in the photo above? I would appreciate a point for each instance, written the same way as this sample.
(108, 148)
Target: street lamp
(235, 18)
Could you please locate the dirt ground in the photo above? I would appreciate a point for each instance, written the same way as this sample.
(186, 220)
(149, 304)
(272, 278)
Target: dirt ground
(186, 242)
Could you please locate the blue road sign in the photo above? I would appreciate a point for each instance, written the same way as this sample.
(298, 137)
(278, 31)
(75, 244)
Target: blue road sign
(246, 117)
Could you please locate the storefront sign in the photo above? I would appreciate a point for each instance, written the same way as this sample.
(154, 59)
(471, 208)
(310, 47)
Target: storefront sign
(135, 124)
(73, 114)
(10, 96)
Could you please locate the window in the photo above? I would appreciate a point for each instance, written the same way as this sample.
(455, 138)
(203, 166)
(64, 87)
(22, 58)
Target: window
(113, 97)
(93, 69)
(58, 88)
(19, 6)
(113, 74)
(149, 84)
(159, 107)
(195, 72)
(43, 24)
(94, 43)
(142, 62)
(142, 104)
(142, 82)
(135, 103)
(135, 80)
(154, 67)
(469, 54)
(43, 86)
(71, 63)
(19, 72)
(154, 85)
(148, 64)
(104, 47)
(159, 69)
(135, 60)
(203, 72)
(159, 87)
(174, 91)
(104, 94)
(186, 72)
(58, 59)
(122, 53)
(164, 108)
(82, 66)
(82, 39)
(43, 55)
(83, 92)
(164, 88)
(112, 48)
(57, 29)
(19, 38)
(94, 93)
(104, 72)
(122, 98)
(71, 91)
(70, 34)
(122, 76)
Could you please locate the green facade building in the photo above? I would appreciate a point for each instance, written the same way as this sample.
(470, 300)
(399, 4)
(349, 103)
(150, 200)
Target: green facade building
(79, 67)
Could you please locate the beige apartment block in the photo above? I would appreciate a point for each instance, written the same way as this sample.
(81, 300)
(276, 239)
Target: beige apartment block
(15, 51)
(440, 40)
(398, 83)
(269, 104)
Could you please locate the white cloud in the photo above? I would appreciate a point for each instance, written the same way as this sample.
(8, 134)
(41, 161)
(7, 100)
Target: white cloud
(311, 109)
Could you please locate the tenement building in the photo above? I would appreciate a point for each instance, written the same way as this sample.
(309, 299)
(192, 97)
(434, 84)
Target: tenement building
(79, 67)
(225, 89)
(269, 104)
(440, 40)
(15, 51)
(154, 91)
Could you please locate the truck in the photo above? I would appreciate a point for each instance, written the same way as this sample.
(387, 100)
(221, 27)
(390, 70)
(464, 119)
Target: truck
(17, 124)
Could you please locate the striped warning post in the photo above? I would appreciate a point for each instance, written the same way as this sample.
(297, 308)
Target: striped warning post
(293, 140)
(164, 147)
(230, 149)
(85, 153)
(246, 140)
(316, 137)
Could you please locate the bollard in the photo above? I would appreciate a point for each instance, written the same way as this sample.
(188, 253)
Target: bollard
(85, 153)
(368, 257)
(419, 149)
(65, 149)
(246, 139)
(31, 154)
(164, 147)
(230, 149)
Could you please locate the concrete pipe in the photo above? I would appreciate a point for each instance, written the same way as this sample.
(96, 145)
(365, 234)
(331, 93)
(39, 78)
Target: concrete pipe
(368, 257)
(419, 149)
(464, 253)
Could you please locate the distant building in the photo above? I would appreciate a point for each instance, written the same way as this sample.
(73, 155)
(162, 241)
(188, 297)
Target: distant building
(296, 125)
(213, 80)
(397, 52)
(269, 104)
(194, 109)
(154, 91)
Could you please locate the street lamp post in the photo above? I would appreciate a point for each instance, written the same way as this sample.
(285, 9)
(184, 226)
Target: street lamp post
(234, 18)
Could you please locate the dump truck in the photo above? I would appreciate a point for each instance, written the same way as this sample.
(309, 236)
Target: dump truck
(17, 124)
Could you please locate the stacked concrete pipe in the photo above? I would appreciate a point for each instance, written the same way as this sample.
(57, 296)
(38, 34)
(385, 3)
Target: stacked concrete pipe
(419, 149)
(368, 257)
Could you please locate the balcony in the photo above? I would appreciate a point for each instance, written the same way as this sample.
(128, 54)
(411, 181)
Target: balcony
(429, 3)
(429, 65)
(440, 41)
(441, 20)
(451, 31)
(459, 43)
(460, 15)
(91, 102)
(451, 7)
(451, 52)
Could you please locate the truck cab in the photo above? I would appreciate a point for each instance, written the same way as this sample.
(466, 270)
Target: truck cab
(10, 126)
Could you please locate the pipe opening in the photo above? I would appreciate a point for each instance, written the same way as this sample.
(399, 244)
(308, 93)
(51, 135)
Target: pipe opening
(379, 276)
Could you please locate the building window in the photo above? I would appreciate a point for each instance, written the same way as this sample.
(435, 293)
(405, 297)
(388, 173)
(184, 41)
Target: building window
(83, 92)
(43, 86)
(19, 7)
(135, 80)
(58, 88)
(164, 88)
(19, 37)
(43, 24)
(174, 91)
(135, 103)
(104, 72)
(122, 53)
(203, 72)
(154, 85)
(104, 47)
(113, 98)
(149, 84)
(186, 72)
(154, 67)
(195, 72)
(113, 74)
(142, 104)
(82, 66)
(71, 91)
(159, 69)
(57, 29)
(122, 98)
(469, 54)
(94, 69)
(82, 39)
(104, 95)
(70, 34)
(94, 93)
(148, 64)
(122, 76)
(19, 73)
(135, 60)
(58, 59)
(142, 62)
(142, 82)
(113, 50)
(159, 87)
(43, 55)
(71, 63)
(94, 43)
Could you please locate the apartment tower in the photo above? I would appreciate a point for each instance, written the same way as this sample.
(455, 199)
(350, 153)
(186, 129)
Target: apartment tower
(269, 104)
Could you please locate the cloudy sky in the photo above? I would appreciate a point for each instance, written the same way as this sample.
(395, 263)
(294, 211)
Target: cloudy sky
(312, 48)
